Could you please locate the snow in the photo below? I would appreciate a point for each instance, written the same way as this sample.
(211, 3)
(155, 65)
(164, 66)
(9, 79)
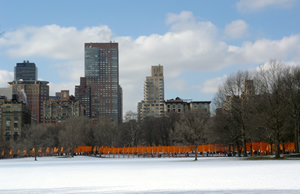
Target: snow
(84, 174)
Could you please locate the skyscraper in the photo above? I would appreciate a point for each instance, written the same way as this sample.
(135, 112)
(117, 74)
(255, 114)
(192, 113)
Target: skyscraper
(102, 77)
(25, 71)
(153, 103)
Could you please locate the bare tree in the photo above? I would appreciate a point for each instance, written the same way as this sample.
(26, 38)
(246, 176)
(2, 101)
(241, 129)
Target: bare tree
(238, 104)
(105, 133)
(72, 135)
(157, 130)
(34, 136)
(132, 128)
(148, 131)
(191, 128)
(272, 106)
(53, 134)
(291, 80)
(225, 131)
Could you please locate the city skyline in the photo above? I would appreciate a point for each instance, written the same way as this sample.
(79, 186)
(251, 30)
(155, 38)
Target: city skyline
(199, 43)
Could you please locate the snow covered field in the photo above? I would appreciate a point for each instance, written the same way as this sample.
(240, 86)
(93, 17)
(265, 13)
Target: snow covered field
(84, 174)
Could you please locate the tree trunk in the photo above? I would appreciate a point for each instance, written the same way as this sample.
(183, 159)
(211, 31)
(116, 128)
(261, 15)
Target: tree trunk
(35, 156)
(244, 142)
(238, 148)
(196, 152)
(72, 152)
(277, 153)
(271, 148)
(297, 136)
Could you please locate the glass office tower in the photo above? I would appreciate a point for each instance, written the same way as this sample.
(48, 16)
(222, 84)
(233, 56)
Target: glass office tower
(26, 71)
(102, 76)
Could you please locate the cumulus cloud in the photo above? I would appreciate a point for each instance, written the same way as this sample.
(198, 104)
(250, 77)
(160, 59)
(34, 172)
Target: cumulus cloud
(247, 6)
(5, 76)
(211, 85)
(52, 41)
(189, 45)
(236, 29)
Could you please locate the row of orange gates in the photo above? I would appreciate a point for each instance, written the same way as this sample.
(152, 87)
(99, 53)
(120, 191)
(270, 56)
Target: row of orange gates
(261, 148)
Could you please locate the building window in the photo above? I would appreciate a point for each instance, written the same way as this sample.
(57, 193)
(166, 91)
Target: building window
(16, 136)
(7, 123)
(7, 134)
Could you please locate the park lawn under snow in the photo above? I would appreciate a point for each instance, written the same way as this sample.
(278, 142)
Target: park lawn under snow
(84, 174)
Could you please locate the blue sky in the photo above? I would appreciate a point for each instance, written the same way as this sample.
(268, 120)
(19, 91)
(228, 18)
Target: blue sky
(199, 43)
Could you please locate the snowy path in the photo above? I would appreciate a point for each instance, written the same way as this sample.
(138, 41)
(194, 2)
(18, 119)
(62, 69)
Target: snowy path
(148, 175)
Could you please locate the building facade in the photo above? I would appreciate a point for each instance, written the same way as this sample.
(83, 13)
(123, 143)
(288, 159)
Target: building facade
(102, 79)
(58, 111)
(13, 116)
(180, 106)
(56, 97)
(33, 93)
(153, 103)
(83, 93)
(25, 71)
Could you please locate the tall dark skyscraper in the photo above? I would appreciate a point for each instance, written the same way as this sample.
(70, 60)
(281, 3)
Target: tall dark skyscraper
(26, 71)
(102, 78)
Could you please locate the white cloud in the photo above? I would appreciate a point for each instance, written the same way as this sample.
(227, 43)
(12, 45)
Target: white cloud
(183, 17)
(188, 46)
(211, 85)
(52, 41)
(264, 49)
(236, 29)
(5, 76)
(267, 65)
(247, 6)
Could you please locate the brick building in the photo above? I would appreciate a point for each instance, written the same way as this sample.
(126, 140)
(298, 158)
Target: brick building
(34, 93)
(58, 111)
(179, 105)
